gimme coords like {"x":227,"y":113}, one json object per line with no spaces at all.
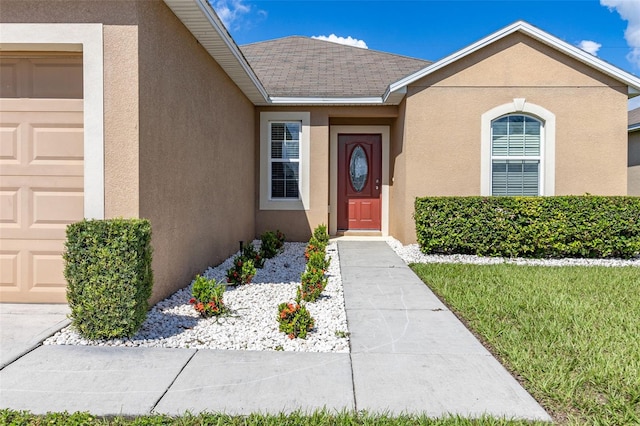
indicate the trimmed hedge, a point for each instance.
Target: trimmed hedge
{"x":108,"y":270}
{"x":561,"y":226}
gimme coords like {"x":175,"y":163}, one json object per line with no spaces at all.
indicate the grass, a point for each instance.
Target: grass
{"x":570,"y":334}
{"x":320,"y":418}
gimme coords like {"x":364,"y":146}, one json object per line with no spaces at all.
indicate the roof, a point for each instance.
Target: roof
{"x":632,"y":82}
{"x":320,"y":72}
{"x":203,"y":22}
{"x":302,"y":67}
{"x":634,"y":120}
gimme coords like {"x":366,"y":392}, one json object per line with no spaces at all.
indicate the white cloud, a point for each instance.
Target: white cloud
{"x":349,"y":41}
{"x":590,"y":46}
{"x":629,"y":10}
{"x":230,"y":11}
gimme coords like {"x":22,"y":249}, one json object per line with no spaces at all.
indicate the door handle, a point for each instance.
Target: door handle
{"x":377,"y":183}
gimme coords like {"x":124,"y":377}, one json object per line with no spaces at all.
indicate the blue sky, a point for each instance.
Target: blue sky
{"x":430,"y":29}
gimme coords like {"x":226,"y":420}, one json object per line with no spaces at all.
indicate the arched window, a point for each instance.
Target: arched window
{"x":516,"y":155}
{"x":518,"y":150}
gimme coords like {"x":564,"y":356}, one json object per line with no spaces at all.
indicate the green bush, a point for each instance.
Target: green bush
{"x":272,"y":243}
{"x":321,"y":235}
{"x":207,"y":297}
{"x":563,"y":226}
{"x":242,"y":271}
{"x":314,"y":246}
{"x":312,"y":284}
{"x":249,"y":252}
{"x":108,"y":270}
{"x":318,"y":260}
{"x":295,"y":320}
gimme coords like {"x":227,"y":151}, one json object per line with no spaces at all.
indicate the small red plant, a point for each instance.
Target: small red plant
{"x":295,"y":320}
{"x":242,"y":271}
{"x":207,"y":297}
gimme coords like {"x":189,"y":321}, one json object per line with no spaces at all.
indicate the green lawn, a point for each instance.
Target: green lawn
{"x":571,"y":334}
{"x":320,"y":418}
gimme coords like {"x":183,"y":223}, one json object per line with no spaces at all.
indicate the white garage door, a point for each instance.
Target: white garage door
{"x":41,"y":171}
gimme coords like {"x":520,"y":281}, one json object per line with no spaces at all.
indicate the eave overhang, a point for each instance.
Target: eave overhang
{"x":201,"y":20}
{"x":632,"y":82}
{"x":634,"y":127}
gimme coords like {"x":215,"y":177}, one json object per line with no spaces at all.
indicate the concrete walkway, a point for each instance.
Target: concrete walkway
{"x":409,"y":354}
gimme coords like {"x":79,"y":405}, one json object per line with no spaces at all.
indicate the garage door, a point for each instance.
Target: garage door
{"x":41,"y":171}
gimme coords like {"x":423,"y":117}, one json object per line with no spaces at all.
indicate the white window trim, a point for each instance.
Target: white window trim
{"x":547,"y":144}
{"x":85,"y":38}
{"x":265,"y":161}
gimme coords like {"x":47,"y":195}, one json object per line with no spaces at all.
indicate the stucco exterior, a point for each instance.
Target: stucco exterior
{"x":179,"y":136}
{"x":634,"y":164}
{"x":440,"y":153}
{"x":298,"y":224}
{"x":176,"y":143}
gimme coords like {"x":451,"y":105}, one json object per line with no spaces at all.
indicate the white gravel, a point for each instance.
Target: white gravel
{"x":174,"y":323}
{"x":411,"y":254}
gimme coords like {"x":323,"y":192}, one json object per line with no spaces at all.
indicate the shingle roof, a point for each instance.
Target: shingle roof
{"x":305,"y":67}
{"x":634,"y":118}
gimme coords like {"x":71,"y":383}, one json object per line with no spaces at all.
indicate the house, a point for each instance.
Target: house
{"x":633,"y":157}
{"x":150,"y":109}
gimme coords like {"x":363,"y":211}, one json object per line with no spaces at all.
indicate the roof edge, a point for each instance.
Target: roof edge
{"x":204,"y":8}
{"x":630,"y":80}
{"x":293,"y":100}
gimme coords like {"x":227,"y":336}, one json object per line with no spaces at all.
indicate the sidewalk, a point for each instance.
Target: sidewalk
{"x":409,"y":354}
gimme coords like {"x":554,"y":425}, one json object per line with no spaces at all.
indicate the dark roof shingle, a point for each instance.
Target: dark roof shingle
{"x":305,"y":67}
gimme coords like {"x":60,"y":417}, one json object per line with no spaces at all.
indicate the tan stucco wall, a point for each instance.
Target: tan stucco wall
{"x":120,"y":44}
{"x":443,"y":119}
{"x":196,"y":151}
{"x":178,"y":134}
{"x":397,"y":177}
{"x":633,"y":171}
{"x":298,"y":224}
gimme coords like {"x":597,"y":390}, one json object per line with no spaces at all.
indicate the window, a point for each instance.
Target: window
{"x":515,"y":155}
{"x":284,"y":160}
{"x":518,"y":150}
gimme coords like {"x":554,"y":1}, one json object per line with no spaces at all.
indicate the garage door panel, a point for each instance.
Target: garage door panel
{"x":56,"y":207}
{"x":9,"y":208}
{"x":9,"y":78}
{"x":52,"y":79}
{"x":40,"y":272}
{"x":62,"y":145}
{"x":47,"y":270}
{"x":40,"y":207}
{"x":9,"y":270}
{"x":41,"y":171}
{"x":9,"y":144}
{"x":42,"y":143}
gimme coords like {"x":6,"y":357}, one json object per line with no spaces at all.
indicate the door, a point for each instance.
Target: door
{"x":359,"y":181}
{"x":41,"y":172}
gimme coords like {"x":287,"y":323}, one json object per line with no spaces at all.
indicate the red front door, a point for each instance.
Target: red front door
{"x":359,"y":181}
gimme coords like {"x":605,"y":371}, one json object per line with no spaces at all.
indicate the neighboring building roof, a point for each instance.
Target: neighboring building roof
{"x":301,"y":67}
{"x":634,"y":120}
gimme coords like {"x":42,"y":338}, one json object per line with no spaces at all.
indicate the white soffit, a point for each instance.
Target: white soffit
{"x":630,"y":80}
{"x":206,"y":27}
